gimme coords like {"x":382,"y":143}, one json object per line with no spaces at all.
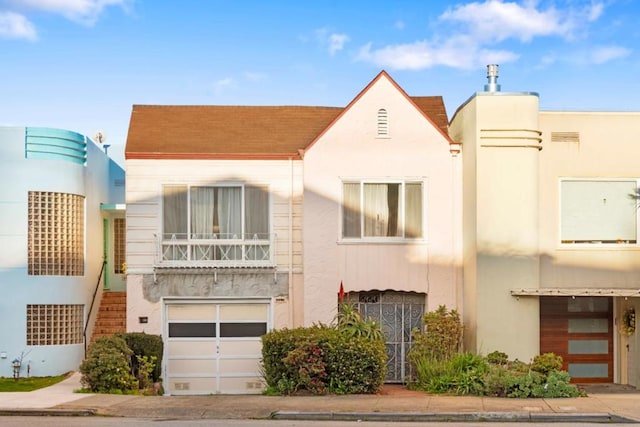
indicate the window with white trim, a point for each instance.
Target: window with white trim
{"x":55,"y":324}
{"x":598,"y":211}
{"x":216,"y":223}
{"x":382,"y":210}
{"x":56,"y":234}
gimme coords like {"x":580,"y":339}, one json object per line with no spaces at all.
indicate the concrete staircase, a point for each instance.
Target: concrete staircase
{"x":112,"y":315}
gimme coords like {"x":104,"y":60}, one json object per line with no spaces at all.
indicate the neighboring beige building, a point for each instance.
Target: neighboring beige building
{"x":551,"y":255}
{"x":244,"y":219}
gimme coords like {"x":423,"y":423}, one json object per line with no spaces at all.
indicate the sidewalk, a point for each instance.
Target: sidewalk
{"x":394,"y":403}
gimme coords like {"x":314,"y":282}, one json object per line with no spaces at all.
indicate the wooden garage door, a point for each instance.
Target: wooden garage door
{"x":214,"y":347}
{"x":580,"y":330}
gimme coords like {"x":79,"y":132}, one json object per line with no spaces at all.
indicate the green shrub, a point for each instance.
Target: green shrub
{"x":497,"y":358}
{"x":322,"y":359}
{"x":107,"y":367}
{"x":441,"y":338}
{"x":149,"y":348}
{"x":546,"y":363}
{"x":350,"y":321}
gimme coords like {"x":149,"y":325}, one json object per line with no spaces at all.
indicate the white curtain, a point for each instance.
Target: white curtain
{"x":202,"y":202}
{"x":351,"y":210}
{"x":174,"y":212}
{"x":229,"y":210}
{"x":376,"y":210}
{"x":256,"y":212}
{"x":413,"y":210}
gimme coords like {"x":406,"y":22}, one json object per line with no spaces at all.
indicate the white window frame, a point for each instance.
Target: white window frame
{"x":401,"y":213}
{"x":244,"y":242}
{"x":595,"y":243}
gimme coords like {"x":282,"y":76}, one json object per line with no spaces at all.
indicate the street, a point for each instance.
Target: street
{"x":18,"y":421}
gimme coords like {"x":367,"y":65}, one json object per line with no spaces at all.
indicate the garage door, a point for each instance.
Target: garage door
{"x":214,"y":347}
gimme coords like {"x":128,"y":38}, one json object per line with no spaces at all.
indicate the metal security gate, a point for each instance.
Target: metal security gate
{"x":214,"y":346}
{"x":398,"y":313}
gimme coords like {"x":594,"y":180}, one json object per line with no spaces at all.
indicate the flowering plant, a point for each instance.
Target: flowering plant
{"x":628,"y":326}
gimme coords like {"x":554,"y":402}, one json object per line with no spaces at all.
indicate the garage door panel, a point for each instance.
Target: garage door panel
{"x":191,"y":347}
{"x":240,"y":366}
{"x":242,"y":385}
{"x":240,"y":348}
{"x":191,"y":312}
{"x":244,"y":312}
{"x":191,"y":385}
{"x":192,"y":366}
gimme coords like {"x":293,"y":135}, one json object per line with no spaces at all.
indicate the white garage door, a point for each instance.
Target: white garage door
{"x":214,"y":347}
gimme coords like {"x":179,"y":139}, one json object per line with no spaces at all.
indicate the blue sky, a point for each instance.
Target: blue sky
{"x":82,"y":64}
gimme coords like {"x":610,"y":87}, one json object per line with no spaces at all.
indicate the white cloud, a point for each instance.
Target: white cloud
{"x":16,"y":26}
{"x":85,"y":12}
{"x":594,"y":11}
{"x":603,"y":54}
{"x":399,"y":25}
{"x":457,"y":52}
{"x":483,"y":32}
{"x":496,"y":20}
{"x":334,"y":41}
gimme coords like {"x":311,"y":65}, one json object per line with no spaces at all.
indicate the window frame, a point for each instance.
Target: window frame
{"x":242,"y":186}
{"x":586,"y":243}
{"x":402,"y":215}
{"x":218,"y":248}
{"x":56,"y":227}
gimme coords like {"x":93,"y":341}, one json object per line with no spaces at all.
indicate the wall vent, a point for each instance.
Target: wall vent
{"x":118,"y":182}
{"x":565,"y":137}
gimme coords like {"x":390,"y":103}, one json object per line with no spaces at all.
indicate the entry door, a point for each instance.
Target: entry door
{"x":580,"y":330}
{"x":214,"y":347}
{"x":398,"y":313}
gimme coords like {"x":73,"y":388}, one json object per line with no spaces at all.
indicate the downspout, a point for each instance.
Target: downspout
{"x":291,"y":304}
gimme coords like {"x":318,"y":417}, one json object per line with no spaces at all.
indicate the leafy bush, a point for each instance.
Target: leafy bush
{"x":546,"y":363}
{"x":350,"y":321}
{"x":497,"y":358}
{"x":441,"y":338}
{"x":147,"y":349}
{"x":322,"y":359}
{"x":107,"y":367}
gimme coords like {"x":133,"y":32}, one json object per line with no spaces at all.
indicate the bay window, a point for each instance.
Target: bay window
{"x":382,"y":210}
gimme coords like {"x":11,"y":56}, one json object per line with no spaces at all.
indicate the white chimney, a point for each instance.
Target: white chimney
{"x":492,"y":77}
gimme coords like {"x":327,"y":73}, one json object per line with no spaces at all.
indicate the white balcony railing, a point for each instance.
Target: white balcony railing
{"x":216,"y":250}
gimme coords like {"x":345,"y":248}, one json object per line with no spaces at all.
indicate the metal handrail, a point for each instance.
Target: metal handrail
{"x":93,"y":300}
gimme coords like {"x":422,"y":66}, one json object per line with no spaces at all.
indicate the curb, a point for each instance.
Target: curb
{"x":48,"y":412}
{"x":448,"y":417}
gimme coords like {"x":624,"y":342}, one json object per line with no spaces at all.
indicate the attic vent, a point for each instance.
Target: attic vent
{"x":383,"y":123}
{"x":565,"y":136}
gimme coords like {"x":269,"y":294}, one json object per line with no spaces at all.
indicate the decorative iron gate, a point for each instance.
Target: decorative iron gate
{"x":398,"y":313}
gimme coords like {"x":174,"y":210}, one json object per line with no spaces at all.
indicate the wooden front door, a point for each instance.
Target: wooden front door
{"x":580,"y":330}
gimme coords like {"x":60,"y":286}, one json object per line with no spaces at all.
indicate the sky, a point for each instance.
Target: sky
{"x":82,"y":64}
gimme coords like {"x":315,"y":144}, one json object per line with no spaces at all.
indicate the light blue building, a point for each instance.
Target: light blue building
{"x":61,"y":244}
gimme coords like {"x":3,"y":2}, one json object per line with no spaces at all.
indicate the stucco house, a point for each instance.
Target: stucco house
{"x":241,"y":219}
{"x":550,"y":224}
{"x":61,"y":242}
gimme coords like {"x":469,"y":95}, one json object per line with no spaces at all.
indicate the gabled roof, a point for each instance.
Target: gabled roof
{"x":240,"y":132}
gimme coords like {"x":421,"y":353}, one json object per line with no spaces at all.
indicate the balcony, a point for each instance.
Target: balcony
{"x":215,"y":250}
